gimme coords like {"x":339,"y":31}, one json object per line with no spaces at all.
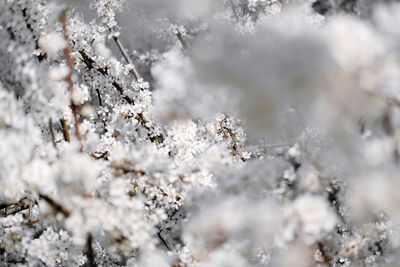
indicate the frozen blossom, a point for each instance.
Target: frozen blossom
{"x":80,"y":94}
{"x":316,"y":217}
{"x":52,"y":43}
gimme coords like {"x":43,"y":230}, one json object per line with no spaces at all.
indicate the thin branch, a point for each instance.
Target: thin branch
{"x":67,"y":53}
{"x":26,"y":16}
{"x":228,"y":133}
{"x":90,"y":64}
{"x":11,"y":209}
{"x":125,"y":170}
{"x":55,"y":205}
{"x":128,"y":60}
{"x":163,"y":240}
{"x":101,"y":105}
{"x":234,"y":10}
{"x":53,"y":137}
{"x":65,"y":130}
{"x":102,"y":155}
{"x":99,"y":97}
{"x":333,"y":191}
{"x":181,"y":39}
{"x":89,"y":251}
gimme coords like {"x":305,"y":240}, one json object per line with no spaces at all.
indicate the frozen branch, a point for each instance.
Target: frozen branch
{"x":69,"y":79}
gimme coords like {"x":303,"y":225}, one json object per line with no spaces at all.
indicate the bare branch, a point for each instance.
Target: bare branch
{"x":65,"y":130}
{"x":55,"y":205}
{"x":234,"y":11}
{"x":11,"y":209}
{"x":67,"y":53}
{"x":89,"y":251}
{"x":128,"y":60}
{"x":53,"y":138}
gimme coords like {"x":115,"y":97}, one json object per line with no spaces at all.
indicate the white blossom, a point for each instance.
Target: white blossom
{"x":52,"y":43}
{"x":316,"y":217}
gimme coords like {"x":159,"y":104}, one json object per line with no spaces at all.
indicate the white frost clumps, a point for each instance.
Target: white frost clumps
{"x":80,"y":94}
{"x":52,"y":248}
{"x":315,"y":215}
{"x":77,"y":173}
{"x":185,"y":142}
{"x":52,"y":43}
{"x":15,"y":159}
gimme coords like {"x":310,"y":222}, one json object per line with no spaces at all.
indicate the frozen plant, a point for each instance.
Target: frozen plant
{"x":199,"y":133}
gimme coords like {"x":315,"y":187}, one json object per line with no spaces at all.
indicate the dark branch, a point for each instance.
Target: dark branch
{"x":89,"y":251}
{"x":55,"y":205}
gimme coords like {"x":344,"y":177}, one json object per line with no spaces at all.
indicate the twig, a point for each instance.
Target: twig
{"x":90,"y":251}
{"x":11,"y":209}
{"x":55,"y":205}
{"x":181,"y":39}
{"x":128,"y":60}
{"x":67,"y":52}
{"x":26,"y":16}
{"x":101,"y":105}
{"x":99,"y":97}
{"x":53,"y":138}
{"x":102,"y":155}
{"x":326,"y":259}
{"x":126,"y":170}
{"x":90,"y":64}
{"x":229,"y":134}
{"x":163,"y":240}
{"x":333,"y":192}
{"x":234,"y":10}
{"x":65,"y":130}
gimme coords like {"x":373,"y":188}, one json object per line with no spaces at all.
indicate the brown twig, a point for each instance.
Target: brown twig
{"x":67,"y":53}
{"x":65,"y":130}
{"x":102,"y":155}
{"x":128,"y":60}
{"x":11,"y":209}
{"x":179,"y":35}
{"x":228,"y":133}
{"x":125,"y":169}
{"x":55,"y":205}
{"x":325,"y":258}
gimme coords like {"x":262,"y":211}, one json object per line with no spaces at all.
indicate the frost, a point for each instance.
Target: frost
{"x":80,"y":94}
{"x":199,"y":133}
{"x":315,"y":216}
{"x":52,"y":44}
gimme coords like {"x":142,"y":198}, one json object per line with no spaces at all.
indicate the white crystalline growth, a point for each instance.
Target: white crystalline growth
{"x":52,"y":43}
{"x":316,"y":217}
